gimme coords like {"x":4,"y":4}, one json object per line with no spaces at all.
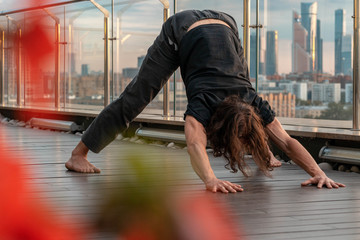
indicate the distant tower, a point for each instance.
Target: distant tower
{"x":73,"y":63}
{"x":340,"y":31}
{"x":319,"y":48}
{"x":346,"y":55}
{"x":140,"y":60}
{"x":309,"y":21}
{"x":262,"y":48}
{"x":271,"y":52}
{"x":300,"y":57}
{"x":253,"y":55}
{"x":84,"y":69}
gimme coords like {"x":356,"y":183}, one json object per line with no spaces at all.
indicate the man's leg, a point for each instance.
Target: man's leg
{"x":159,"y":63}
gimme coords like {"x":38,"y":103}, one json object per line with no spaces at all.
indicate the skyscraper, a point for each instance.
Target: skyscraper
{"x":346,"y":55}
{"x":262,"y":48}
{"x":140,"y":60}
{"x":300,"y":57}
{"x":271,"y":52}
{"x":309,"y":21}
{"x":84,"y":69}
{"x":262,"y":55}
{"x":252,"y":55}
{"x":319,"y":48}
{"x":340,"y":31}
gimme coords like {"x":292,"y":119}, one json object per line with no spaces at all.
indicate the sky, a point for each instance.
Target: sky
{"x":144,"y":18}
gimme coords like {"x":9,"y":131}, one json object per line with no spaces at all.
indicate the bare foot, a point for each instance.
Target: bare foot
{"x":79,"y":163}
{"x":274,"y":162}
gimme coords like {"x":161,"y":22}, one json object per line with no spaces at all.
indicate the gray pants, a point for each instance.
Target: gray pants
{"x":160,"y":62}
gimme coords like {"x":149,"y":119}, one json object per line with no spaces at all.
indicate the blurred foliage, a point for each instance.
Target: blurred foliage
{"x":337,"y":111}
{"x":139,"y":208}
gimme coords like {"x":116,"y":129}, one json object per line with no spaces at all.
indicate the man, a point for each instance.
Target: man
{"x":206,"y":46}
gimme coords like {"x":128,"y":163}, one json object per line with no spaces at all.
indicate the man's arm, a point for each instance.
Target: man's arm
{"x":299,"y":155}
{"x":196,"y":147}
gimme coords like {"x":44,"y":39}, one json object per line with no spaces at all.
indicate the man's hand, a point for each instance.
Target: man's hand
{"x":322,"y":180}
{"x":217,"y":185}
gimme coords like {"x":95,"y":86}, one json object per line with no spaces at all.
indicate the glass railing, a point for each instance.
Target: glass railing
{"x":302,"y":64}
{"x":306,"y":58}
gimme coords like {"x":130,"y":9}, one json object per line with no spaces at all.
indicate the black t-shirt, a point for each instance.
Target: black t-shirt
{"x":213,"y":67}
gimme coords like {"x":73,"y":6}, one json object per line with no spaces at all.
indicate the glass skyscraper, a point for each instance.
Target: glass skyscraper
{"x":300,"y":57}
{"x":340,"y":31}
{"x":319,"y":48}
{"x":271,"y":52}
{"x":309,"y":21}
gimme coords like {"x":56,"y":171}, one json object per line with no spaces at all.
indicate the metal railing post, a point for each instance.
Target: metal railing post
{"x":18,"y":72}
{"x":257,"y":45}
{"x":57,"y":57}
{"x":356,"y":66}
{"x":246,"y":31}
{"x":2,"y":66}
{"x":57,"y":65}
{"x":106,"y":52}
{"x":166,"y":88}
{"x":175,"y":11}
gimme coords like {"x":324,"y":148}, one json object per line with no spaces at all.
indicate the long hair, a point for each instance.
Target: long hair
{"x":235,"y":129}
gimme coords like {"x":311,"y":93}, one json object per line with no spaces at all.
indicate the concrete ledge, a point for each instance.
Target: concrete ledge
{"x":299,"y":127}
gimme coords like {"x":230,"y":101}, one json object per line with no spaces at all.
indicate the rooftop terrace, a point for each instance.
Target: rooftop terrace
{"x":269,"y":208}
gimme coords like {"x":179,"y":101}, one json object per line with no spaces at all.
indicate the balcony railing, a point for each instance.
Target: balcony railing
{"x":99,"y":46}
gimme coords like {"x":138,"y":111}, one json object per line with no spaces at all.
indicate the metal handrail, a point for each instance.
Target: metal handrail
{"x":2,"y":66}
{"x":40,"y":7}
{"x":257,"y":46}
{"x":356,"y":67}
{"x":246,"y":31}
{"x":166,"y":88}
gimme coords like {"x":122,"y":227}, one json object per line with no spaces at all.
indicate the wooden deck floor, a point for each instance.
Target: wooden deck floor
{"x":269,"y":208}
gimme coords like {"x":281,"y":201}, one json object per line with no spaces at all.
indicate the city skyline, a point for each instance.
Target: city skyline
{"x":137,"y":45}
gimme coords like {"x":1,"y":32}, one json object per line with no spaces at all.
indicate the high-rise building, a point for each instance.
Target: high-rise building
{"x":283,"y":104}
{"x":300,"y":91}
{"x":300,"y":57}
{"x":319,"y":48}
{"x":140,"y":61}
{"x":252,"y":55}
{"x":309,"y":22}
{"x":84,"y":69}
{"x":348,"y":93}
{"x":73,"y":63}
{"x":262,"y":56}
{"x":262,"y":43}
{"x":340,"y":31}
{"x":271,"y":52}
{"x":346,"y":55}
{"x":326,"y":92}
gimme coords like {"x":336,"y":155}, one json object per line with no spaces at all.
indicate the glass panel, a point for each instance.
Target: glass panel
{"x":11,"y":67}
{"x":29,"y":59}
{"x":83,"y":57}
{"x":136,"y":25}
{"x":310,"y":72}
{"x":305,"y":64}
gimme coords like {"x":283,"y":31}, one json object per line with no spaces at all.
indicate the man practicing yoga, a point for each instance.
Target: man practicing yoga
{"x":222,"y":107}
